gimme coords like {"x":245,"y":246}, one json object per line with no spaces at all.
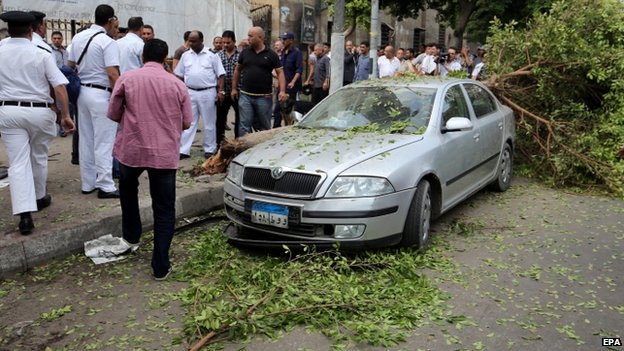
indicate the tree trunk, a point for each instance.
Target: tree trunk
{"x":228,"y":149}
{"x":466,"y":8}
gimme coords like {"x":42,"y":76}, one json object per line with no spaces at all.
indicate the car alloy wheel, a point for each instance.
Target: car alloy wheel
{"x":418,"y":221}
{"x":503,"y":180}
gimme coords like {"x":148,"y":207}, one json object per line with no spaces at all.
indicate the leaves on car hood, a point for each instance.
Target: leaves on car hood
{"x":322,"y":149}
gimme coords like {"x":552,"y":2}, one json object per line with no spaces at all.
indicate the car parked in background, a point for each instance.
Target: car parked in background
{"x":371,"y":165}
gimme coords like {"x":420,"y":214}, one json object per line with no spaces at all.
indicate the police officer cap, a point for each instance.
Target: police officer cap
{"x":38,"y":15}
{"x":17,"y":18}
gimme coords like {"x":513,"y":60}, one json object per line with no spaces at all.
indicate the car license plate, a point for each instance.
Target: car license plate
{"x":269,"y":214}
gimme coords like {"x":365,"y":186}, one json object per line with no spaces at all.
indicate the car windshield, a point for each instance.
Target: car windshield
{"x":391,"y":109}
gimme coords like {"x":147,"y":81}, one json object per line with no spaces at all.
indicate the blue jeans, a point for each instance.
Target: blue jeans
{"x":255,"y":111}
{"x":162,"y":190}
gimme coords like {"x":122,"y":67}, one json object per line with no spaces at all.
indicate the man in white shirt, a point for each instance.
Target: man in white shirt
{"x":98,"y":71}
{"x":429,"y":65}
{"x":203,"y":73}
{"x":388,"y":64}
{"x":39,"y":31}
{"x":453,"y":63}
{"x":27,"y":122}
{"x":131,"y":46}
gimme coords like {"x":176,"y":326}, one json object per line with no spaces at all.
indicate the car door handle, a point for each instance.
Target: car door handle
{"x":476,"y":137}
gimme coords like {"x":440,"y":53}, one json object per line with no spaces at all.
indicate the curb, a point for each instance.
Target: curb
{"x":204,"y":196}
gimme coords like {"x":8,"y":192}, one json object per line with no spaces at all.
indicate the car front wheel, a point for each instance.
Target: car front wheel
{"x":503,"y":179}
{"x":418,"y":222}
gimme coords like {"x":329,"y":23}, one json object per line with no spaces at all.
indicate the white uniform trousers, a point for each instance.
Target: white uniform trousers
{"x":203,"y":103}
{"x":26,"y":133}
{"x":97,"y":137}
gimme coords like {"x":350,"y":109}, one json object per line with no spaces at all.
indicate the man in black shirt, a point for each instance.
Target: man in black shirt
{"x":255,"y":65}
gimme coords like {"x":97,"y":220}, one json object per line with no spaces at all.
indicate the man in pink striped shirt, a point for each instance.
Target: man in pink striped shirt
{"x":152,"y":108}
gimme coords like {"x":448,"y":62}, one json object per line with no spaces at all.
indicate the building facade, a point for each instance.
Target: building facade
{"x":311,"y":23}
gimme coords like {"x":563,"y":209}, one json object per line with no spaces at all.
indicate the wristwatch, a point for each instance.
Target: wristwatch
{"x":222,"y":92}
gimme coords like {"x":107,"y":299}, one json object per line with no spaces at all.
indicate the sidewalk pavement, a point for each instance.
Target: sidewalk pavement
{"x":74,"y":218}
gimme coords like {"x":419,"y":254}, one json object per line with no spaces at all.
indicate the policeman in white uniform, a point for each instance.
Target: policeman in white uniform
{"x":204,"y":75}
{"x":27,"y":122}
{"x":98,"y":72}
{"x":39,"y":31}
{"x":131,"y":46}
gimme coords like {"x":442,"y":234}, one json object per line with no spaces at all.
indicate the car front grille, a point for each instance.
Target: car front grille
{"x":295,"y":227}
{"x":291,"y":183}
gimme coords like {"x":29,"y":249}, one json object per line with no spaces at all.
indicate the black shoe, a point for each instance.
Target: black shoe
{"x":108,"y":195}
{"x":44,"y":202}
{"x":74,"y":161}
{"x":183,"y":156}
{"x":88,"y":192}
{"x":165,"y":276}
{"x":26,"y":224}
{"x":208,"y":155}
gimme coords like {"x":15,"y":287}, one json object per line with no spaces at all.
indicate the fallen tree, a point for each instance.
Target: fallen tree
{"x":563,"y":76}
{"x":229,"y":148}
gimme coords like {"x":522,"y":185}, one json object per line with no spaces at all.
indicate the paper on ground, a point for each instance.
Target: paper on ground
{"x":107,"y":248}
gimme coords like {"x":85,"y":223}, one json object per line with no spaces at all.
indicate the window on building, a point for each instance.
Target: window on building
{"x":419,"y":39}
{"x":442,"y":37}
{"x":387,"y":33}
{"x":330,"y":28}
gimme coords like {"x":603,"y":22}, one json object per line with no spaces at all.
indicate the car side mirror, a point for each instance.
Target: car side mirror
{"x":457,"y":124}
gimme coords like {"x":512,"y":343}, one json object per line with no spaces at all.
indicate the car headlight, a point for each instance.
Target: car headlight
{"x":359,"y":187}
{"x":235,"y":173}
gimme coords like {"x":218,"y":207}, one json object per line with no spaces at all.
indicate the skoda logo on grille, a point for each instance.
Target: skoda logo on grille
{"x":277,"y":172}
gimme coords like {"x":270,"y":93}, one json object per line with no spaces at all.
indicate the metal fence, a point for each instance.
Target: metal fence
{"x":68,"y":28}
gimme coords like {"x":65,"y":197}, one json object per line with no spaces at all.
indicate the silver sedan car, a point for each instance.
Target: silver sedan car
{"x":371,"y":166}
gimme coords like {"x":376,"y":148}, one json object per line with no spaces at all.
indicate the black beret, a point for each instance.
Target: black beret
{"x":17,"y":18}
{"x":38,"y":15}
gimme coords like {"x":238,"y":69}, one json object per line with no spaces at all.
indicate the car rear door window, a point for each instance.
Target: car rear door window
{"x":482,"y":101}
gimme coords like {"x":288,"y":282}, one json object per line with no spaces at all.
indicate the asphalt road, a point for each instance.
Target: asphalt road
{"x":534,"y":269}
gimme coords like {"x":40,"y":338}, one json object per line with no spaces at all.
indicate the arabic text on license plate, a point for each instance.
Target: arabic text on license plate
{"x":269,"y":214}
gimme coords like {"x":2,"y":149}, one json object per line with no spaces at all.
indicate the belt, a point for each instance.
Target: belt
{"x":200,"y":89}
{"x":25,"y":104}
{"x":255,"y":94}
{"x":101,"y":87}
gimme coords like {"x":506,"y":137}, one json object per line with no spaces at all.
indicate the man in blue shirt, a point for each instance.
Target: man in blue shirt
{"x":292,"y":62}
{"x":364,"y":64}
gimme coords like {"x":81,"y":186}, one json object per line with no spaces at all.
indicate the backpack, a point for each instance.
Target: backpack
{"x":73,"y":88}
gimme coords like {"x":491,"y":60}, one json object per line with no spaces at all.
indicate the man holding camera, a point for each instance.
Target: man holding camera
{"x":451,"y":62}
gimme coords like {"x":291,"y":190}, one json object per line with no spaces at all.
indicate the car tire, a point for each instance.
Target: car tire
{"x":504,"y":171}
{"x":416,"y":231}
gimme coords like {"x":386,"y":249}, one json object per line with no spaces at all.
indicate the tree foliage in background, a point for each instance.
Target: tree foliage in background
{"x":563,"y":74}
{"x":473,"y":16}
{"x":505,"y":10}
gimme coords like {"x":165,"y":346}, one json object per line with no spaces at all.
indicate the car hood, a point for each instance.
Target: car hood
{"x":322,"y":150}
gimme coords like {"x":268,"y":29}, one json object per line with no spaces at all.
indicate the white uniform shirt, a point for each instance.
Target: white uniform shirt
{"x":387,"y":68}
{"x":130,"y":52}
{"x":200,"y":70}
{"x":38,"y":41}
{"x":102,"y":52}
{"x":27,"y":72}
{"x":3,"y":41}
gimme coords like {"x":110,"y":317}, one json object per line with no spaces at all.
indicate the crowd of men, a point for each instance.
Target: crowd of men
{"x":136,"y":113}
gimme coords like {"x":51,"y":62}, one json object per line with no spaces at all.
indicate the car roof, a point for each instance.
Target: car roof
{"x":434,"y":82}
